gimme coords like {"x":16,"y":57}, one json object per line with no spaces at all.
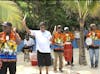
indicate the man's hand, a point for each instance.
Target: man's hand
{"x":26,"y":46}
{"x":24,"y":23}
{"x":94,"y":45}
{"x":14,"y":29}
{"x":54,"y":29}
{"x":60,"y":44}
{"x":0,"y":64}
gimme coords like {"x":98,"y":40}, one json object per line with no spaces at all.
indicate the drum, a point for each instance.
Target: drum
{"x":96,"y":42}
{"x":89,"y":41}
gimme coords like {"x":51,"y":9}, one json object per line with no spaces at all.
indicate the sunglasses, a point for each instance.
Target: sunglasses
{"x":58,"y":27}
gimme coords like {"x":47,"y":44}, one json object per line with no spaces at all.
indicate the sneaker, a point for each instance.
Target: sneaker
{"x":92,"y":66}
{"x":40,"y":73}
{"x":72,"y":64}
{"x":55,"y":70}
{"x":66,"y":64}
{"x":60,"y":70}
{"x":47,"y":73}
{"x":96,"y":66}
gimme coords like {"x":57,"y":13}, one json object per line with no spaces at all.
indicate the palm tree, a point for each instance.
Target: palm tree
{"x":83,"y":8}
{"x":9,"y":11}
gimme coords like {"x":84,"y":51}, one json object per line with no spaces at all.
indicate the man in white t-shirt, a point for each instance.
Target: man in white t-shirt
{"x":28,"y":46}
{"x":28,"y":42}
{"x":77,"y":37}
{"x":43,"y":38}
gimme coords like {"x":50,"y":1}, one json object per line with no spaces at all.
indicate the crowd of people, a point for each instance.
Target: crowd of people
{"x":60,"y":41}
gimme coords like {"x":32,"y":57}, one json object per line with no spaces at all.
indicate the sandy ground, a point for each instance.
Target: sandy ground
{"x":26,"y":68}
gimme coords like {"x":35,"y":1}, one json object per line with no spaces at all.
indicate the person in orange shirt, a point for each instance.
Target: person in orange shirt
{"x":58,"y":39}
{"x":68,"y":48}
{"x":94,"y":35}
{"x":9,"y":40}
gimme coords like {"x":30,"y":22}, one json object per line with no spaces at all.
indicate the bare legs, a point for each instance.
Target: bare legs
{"x":46,"y":69}
{"x":40,"y":70}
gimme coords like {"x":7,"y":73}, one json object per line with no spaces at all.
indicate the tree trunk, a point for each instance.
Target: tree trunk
{"x":82,"y":58}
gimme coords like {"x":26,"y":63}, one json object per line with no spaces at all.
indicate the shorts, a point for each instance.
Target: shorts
{"x":44,"y":59}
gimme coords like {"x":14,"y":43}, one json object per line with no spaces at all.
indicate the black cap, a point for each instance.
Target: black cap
{"x":7,"y":24}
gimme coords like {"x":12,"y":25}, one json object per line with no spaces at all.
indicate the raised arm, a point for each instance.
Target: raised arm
{"x":17,"y":36}
{"x":55,"y":28}
{"x":26,"y":28}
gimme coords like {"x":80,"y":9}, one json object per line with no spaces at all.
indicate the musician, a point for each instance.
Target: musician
{"x":68,"y":48}
{"x":9,"y":39}
{"x":94,"y":34}
{"x":58,"y":39}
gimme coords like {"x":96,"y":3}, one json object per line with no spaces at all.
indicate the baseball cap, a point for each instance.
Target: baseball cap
{"x":66,"y":28}
{"x":6,"y":24}
{"x":91,"y":25}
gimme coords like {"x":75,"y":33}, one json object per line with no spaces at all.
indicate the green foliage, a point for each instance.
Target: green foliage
{"x":50,"y":11}
{"x":9,"y":11}
{"x":53,"y":12}
{"x":83,"y":7}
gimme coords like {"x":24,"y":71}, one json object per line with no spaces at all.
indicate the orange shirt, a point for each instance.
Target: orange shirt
{"x":3,"y":37}
{"x":69,"y":36}
{"x":58,"y":38}
{"x":94,"y":34}
{"x":3,"y":40}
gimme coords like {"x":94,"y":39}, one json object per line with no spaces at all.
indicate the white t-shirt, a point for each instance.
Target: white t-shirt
{"x":77,"y":34}
{"x":30,"y":42}
{"x":42,"y":40}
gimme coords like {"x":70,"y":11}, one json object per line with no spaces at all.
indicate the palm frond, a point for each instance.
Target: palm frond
{"x":84,"y":7}
{"x":9,"y":11}
{"x":94,"y":8}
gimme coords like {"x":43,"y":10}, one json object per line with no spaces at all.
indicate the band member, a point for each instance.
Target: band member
{"x":94,"y":35}
{"x":68,"y":48}
{"x":9,"y":40}
{"x":58,"y":40}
